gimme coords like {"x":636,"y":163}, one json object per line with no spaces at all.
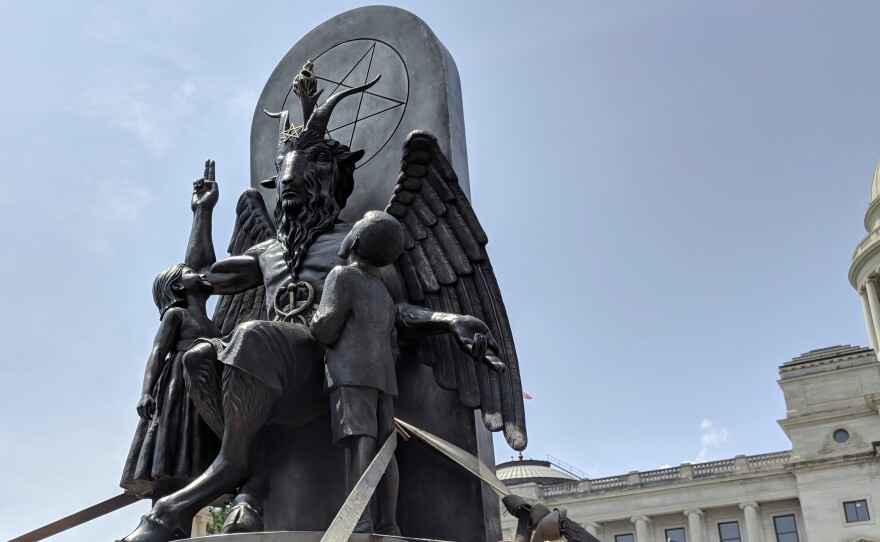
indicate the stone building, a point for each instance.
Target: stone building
{"x":826,"y":488}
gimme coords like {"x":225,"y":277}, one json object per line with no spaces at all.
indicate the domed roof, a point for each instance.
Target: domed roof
{"x":522,"y":471}
{"x":875,"y":186}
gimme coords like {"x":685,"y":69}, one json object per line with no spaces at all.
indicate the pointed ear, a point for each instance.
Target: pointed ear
{"x":351,"y":157}
{"x":269,"y":183}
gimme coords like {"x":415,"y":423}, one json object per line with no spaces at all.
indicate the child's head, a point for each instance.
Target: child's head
{"x":167,"y":291}
{"x":377,"y":238}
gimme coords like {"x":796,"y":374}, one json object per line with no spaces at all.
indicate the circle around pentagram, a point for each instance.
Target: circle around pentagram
{"x":367,"y":120}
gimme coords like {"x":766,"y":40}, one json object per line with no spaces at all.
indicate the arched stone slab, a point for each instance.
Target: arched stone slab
{"x":419,"y":90}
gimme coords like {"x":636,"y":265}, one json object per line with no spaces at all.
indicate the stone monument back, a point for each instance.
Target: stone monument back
{"x":419,"y":89}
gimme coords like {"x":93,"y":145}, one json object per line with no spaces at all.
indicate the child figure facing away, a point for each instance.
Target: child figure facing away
{"x":172,"y":444}
{"x":355,"y":320}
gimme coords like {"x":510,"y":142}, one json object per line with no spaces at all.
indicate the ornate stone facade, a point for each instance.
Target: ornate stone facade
{"x":832,"y":397}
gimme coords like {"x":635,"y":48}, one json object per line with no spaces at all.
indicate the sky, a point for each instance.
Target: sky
{"x":672,"y":193}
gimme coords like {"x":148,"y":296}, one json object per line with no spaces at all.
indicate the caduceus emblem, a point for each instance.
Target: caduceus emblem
{"x":286,"y":296}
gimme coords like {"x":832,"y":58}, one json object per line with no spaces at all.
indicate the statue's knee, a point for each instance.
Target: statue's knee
{"x":198,"y":356}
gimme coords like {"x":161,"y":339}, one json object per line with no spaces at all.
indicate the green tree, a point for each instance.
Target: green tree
{"x":218,"y":516}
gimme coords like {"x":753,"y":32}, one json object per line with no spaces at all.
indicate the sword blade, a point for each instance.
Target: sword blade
{"x":73,"y":520}
{"x":463,"y":458}
{"x":353,"y":507}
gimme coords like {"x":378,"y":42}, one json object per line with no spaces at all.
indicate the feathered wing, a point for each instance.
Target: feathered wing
{"x":445,"y":268}
{"x":252,"y":226}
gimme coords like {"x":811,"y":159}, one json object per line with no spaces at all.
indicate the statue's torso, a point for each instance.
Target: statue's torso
{"x":322,"y":256}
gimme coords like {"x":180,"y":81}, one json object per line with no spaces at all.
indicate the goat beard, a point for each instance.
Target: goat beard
{"x":301,"y":219}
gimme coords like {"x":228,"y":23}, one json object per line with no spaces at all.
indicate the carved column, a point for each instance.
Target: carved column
{"x":754,"y":533}
{"x":642,"y":534}
{"x":873,"y":304}
{"x":200,"y":523}
{"x":869,"y":320}
{"x":695,"y":525}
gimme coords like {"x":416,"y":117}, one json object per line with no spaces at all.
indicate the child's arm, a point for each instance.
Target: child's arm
{"x":169,"y":329}
{"x":329,"y":319}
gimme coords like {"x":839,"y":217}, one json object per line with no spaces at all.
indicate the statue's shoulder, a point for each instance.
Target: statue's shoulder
{"x":336,"y":234}
{"x":341,"y":229}
{"x":265,"y":246}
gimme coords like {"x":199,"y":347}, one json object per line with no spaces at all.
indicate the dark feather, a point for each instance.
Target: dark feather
{"x":432,"y":200}
{"x":442,"y":269}
{"x":472,"y":249}
{"x":465,"y":375}
{"x":451,"y":247}
{"x":511,"y":386}
{"x":415,"y":170}
{"x":416,"y":228}
{"x":396,"y":209}
{"x":410,"y":278}
{"x":439,"y":185}
{"x":416,"y":157}
{"x":426,"y":215}
{"x":405,"y":197}
{"x":487,"y":380}
{"x":423,"y":268}
{"x":408,"y":241}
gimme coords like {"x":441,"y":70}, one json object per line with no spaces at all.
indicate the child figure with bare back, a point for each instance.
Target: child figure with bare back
{"x":172,"y":444}
{"x":355,"y":320}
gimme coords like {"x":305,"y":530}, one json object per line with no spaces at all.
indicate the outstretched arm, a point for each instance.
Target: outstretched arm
{"x":235,"y":274}
{"x":471,"y":334}
{"x":200,"y":248}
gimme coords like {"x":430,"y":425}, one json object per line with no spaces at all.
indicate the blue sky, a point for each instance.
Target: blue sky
{"x":672,"y":195}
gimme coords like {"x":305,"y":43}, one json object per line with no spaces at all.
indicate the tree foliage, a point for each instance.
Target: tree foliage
{"x":218,"y":515}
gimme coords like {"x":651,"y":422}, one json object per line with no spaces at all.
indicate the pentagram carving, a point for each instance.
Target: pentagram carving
{"x":369,"y":121}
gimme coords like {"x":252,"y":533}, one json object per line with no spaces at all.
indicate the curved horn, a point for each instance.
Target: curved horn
{"x":283,"y":125}
{"x":318,"y":121}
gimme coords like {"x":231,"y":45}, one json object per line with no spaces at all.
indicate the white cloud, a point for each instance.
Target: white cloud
{"x":121,"y":200}
{"x":243,"y":103}
{"x":151,"y":114}
{"x":711,"y":440}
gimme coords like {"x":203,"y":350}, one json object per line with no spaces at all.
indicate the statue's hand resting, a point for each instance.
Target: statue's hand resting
{"x":475,"y":338}
{"x":205,"y":192}
{"x":146,"y":406}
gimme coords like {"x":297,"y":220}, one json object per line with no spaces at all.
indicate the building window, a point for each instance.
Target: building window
{"x":729,"y":532}
{"x":856,"y":511}
{"x":786,"y":529}
{"x":624,"y":538}
{"x":675,"y":535}
{"x":841,"y":436}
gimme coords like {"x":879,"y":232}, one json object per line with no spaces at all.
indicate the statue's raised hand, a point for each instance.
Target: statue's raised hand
{"x":205,"y":192}
{"x":475,"y":338}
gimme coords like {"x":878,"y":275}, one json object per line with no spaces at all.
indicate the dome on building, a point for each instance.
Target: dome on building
{"x":875,"y":186}
{"x":522,"y":471}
